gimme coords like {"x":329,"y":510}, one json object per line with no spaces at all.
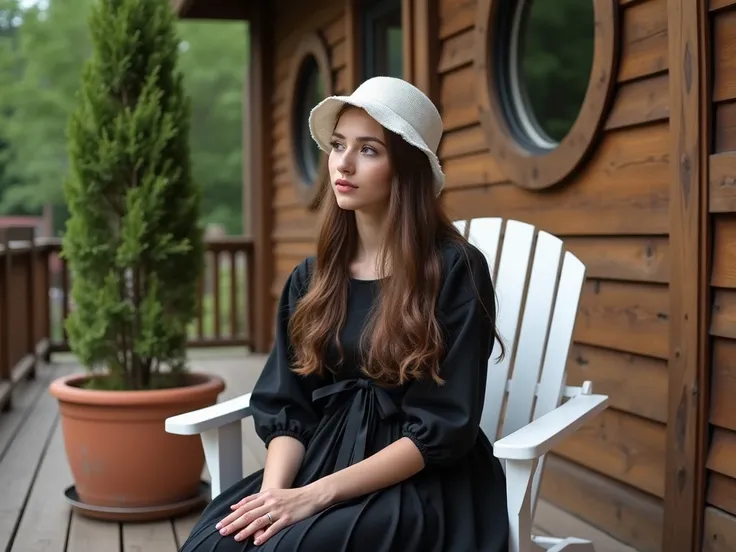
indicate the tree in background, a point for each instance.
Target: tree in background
{"x":133,"y":240}
{"x":39,"y":77}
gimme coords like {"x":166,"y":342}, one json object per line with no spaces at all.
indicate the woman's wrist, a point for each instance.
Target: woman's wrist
{"x":322,"y":492}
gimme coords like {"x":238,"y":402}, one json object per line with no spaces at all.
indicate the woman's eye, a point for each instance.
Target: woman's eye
{"x":335,"y":145}
{"x":369,"y":150}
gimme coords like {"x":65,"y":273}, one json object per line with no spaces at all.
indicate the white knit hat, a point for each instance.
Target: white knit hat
{"x":396,"y":105}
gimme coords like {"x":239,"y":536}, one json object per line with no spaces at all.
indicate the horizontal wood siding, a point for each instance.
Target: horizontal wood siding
{"x":294,"y":226}
{"x":614,"y":214}
{"x":720,"y":513}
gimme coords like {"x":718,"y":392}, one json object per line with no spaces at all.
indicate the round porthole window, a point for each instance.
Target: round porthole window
{"x":311,"y":82}
{"x":547,"y":69}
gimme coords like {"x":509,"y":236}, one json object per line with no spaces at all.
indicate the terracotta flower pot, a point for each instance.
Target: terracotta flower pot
{"x":119,"y":452}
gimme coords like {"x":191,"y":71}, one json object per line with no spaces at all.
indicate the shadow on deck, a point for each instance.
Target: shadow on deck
{"x":35,"y":516}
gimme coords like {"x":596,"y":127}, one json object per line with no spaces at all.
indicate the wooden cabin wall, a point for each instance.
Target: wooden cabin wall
{"x":614,"y":215}
{"x":294,"y":225}
{"x":720,"y":511}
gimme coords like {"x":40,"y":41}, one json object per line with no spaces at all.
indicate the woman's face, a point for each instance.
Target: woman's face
{"x":359,"y":164}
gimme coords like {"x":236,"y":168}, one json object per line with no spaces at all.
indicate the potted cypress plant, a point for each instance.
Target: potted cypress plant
{"x":134,"y":246}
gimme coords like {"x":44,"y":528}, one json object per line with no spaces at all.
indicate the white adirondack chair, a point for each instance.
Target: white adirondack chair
{"x":538,"y":287}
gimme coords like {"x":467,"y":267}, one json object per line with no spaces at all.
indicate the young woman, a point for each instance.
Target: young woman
{"x":371,"y":398}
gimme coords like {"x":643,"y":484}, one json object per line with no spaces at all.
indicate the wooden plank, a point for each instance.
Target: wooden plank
{"x":18,"y":466}
{"x":46,"y":515}
{"x":456,"y":16}
{"x":260,"y":138}
{"x":723,"y":385}
{"x":724,"y":56}
{"x":471,"y":170}
{"x":352,"y":41}
{"x":641,"y":101}
{"x":715,"y":5}
{"x":722,"y":492}
{"x":627,"y":448}
{"x":334,"y":32}
{"x":296,"y":251}
{"x":149,"y":537}
{"x":425,"y":48}
{"x":628,"y":515}
{"x":338,"y":56}
{"x":723,"y":317}
{"x":25,"y":396}
{"x":722,"y":182}
{"x":724,"y":252}
{"x":465,"y":141}
{"x":719,"y":530}
{"x":725,"y":127}
{"x":556,"y":522}
{"x":644,"y":49}
{"x":612,"y":373}
{"x":689,"y":290}
{"x":91,"y":535}
{"x":457,"y":51}
{"x":407,"y":38}
{"x":722,"y":452}
{"x":627,"y":317}
{"x":640,"y":259}
{"x":458,"y":101}
{"x":624,"y":189}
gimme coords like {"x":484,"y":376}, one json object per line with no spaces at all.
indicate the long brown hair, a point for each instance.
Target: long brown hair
{"x":403,"y":347}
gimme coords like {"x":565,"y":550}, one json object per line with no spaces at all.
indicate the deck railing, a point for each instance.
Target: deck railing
{"x":35,"y":300}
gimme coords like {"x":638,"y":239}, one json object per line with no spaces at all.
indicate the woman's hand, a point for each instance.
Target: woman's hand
{"x":286,"y":506}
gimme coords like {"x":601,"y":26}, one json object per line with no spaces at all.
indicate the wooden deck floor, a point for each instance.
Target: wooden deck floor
{"x":35,"y":517}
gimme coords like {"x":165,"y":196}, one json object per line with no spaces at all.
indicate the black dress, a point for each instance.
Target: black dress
{"x":457,"y":503}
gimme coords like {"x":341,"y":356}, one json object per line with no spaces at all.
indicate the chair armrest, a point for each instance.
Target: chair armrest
{"x":541,"y":435}
{"x":211,"y":417}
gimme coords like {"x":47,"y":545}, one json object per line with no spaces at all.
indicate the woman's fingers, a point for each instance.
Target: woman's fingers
{"x":261,"y":522}
{"x":271,"y":530}
{"x":244,"y":501}
{"x":237,"y":514}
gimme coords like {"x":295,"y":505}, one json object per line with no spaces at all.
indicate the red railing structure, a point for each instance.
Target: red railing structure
{"x":34,"y":301}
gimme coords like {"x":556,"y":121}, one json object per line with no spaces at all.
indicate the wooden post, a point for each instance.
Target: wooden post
{"x":259,"y":117}
{"x":426,"y":53}
{"x":689,"y":364}
{"x":353,"y":37}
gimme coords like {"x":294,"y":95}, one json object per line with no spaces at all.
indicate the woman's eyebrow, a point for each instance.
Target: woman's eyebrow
{"x":360,"y":138}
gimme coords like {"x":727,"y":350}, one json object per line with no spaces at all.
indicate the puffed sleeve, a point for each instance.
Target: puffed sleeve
{"x":443,"y":420}
{"x":281,"y":402}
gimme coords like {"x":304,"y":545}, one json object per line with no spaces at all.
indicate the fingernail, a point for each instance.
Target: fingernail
{"x":223,"y":531}
{"x":238,"y":537}
{"x":257,"y":541}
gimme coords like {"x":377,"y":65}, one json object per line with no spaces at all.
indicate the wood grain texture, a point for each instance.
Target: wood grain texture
{"x":259,"y":138}
{"x":689,"y":290}
{"x":719,"y":531}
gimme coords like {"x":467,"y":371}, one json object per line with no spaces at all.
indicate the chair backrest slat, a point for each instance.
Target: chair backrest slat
{"x":538,"y":286}
{"x":510,"y":279}
{"x":527,"y":363}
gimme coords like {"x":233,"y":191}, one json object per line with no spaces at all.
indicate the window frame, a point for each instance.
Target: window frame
{"x":527,"y":166}
{"x":311,"y":45}
{"x":368,"y":15}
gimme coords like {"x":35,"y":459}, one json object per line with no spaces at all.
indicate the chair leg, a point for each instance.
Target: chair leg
{"x":518,"y":500}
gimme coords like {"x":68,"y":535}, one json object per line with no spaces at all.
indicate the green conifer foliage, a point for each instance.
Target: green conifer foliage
{"x":133,"y":241}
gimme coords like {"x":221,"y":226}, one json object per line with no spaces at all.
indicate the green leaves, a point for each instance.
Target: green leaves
{"x":133,"y":240}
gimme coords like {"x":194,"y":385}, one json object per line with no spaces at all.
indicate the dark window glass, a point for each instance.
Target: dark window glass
{"x":310,"y":91}
{"x":383,"y":39}
{"x":550,"y":57}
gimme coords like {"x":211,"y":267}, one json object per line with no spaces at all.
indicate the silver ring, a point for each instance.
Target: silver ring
{"x":270,"y":519}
